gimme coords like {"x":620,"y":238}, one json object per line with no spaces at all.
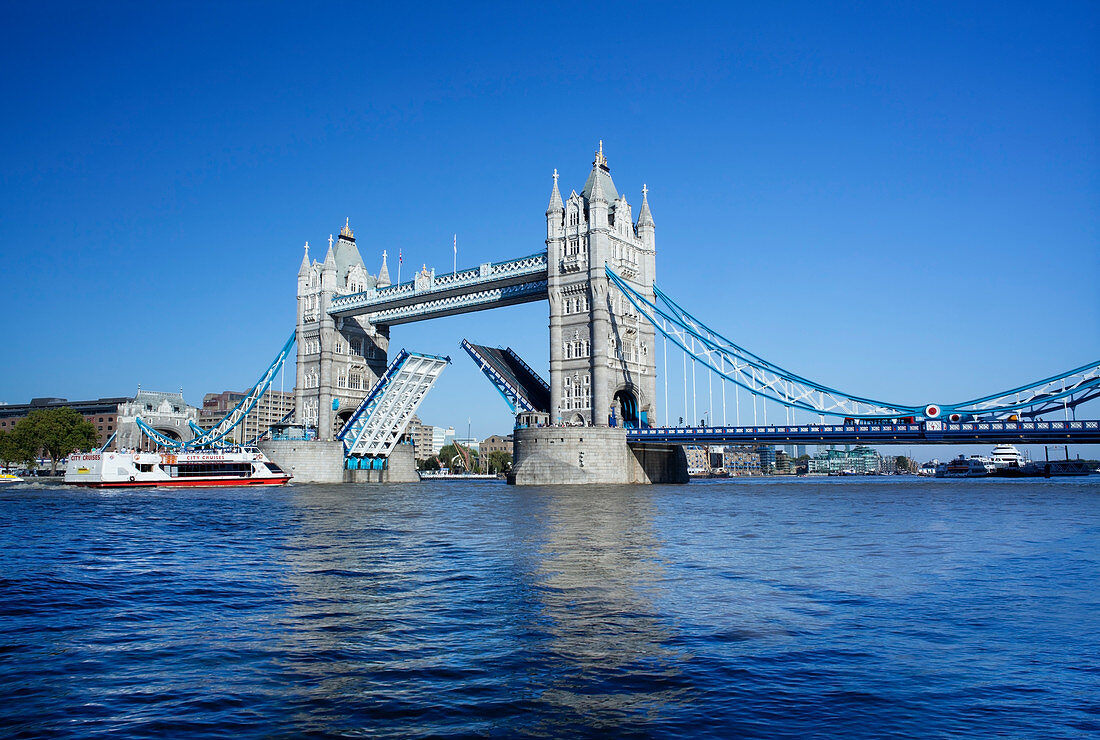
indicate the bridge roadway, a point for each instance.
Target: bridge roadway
{"x":928,"y":432}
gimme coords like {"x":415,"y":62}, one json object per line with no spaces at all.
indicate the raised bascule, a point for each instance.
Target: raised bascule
{"x":596,"y":419}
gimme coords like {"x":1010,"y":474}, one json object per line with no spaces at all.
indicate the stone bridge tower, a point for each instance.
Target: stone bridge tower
{"x":338,"y":359}
{"x":602,"y":353}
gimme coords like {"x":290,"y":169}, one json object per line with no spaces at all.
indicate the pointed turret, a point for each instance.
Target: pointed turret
{"x":555,"y":197}
{"x":645,"y":218}
{"x":645,"y":222}
{"x":601,"y":174}
{"x":304,"y":269}
{"x":383,"y":274}
{"x":346,"y":253}
{"x":597,"y":194}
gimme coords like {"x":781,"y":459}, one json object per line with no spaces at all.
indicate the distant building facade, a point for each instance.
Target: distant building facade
{"x":421,"y":436}
{"x":698,"y":459}
{"x":102,"y":413}
{"x":741,"y":461}
{"x":272,"y":407}
{"x":168,"y":413}
{"x":496,"y":443}
{"x":859,"y":460}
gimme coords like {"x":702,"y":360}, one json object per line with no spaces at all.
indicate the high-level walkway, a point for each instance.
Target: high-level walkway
{"x":431,"y":296}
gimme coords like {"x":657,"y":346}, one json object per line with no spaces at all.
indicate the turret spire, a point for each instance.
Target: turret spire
{"x":330,"y":261}
{"x":384,"y":273}
{"x":555,"y":197}
{"x":304,"y":269}
{"x":645,"y":218}
{"x":597,"y":193}
{"x":601,"y":160}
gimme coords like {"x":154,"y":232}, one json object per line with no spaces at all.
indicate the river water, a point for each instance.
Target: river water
{"x":764,"y":608}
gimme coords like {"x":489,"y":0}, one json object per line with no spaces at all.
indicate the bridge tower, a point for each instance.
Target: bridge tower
{"x":338,"y":359}
{"x":602,"y":358}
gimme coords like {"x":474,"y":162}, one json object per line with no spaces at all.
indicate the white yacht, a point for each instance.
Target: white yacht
{"x":1007,"y":457}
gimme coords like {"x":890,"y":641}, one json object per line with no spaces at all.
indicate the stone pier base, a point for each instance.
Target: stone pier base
{"x":585,"y":455}
{"x":323,"y":462}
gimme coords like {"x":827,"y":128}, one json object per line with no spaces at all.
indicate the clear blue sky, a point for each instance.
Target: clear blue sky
{"x":898,"y":200}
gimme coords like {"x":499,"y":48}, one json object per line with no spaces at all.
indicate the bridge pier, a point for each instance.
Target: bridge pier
{"x":591,"y":455}
{"x":314,"y":461}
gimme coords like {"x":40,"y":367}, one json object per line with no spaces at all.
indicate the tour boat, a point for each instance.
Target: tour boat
{"x":229,"y":466}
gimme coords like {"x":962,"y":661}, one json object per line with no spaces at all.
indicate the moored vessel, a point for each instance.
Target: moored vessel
{"x":229,"y":466}
{"x":974,"y":466}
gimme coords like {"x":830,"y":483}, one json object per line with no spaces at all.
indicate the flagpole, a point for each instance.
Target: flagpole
{"x":454,"y":271}
{"x":399,"y":261}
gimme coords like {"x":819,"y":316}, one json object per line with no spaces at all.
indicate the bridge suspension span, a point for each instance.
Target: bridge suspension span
{"x":769,"y":381}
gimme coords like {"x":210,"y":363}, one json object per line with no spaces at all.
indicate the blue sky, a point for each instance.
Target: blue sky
{"x":900,"y":200}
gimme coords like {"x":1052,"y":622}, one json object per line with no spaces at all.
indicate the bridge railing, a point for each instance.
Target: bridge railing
{"x":490,"y":272}
{"x":1073,"y":431}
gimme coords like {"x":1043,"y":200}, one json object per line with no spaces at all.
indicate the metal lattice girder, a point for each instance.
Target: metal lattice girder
{"x":378,"y":423}
{"x":156,"y":436}
{"x":765,"y":379}
{"x":519,"y":385}
{"x":429,"y":295}
{"x":1056,"y":393}
{"x":474,"y":300}
{"x":218,"y":432}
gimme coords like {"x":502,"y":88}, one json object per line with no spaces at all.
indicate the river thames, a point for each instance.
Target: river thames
{"x":748,"y":608}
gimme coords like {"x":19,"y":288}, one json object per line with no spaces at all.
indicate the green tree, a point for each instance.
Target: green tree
{"x":23,"y":446}
{"x":903,"y":463}
{"x":499,"y":462}
{"x":57,"y":432}
{"x":9,"y":450}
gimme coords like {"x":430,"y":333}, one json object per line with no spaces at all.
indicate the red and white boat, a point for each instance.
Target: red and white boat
{"x":229,"y":466}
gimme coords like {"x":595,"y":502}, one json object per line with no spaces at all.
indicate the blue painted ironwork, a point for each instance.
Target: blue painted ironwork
{"x":520,"y":386}
{"x":768,"y":380}
{"x":109,"y":441}
{"x":153,"y":434}
{"x":926,"y":432}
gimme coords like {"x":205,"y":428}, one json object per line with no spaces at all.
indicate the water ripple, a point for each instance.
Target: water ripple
{"x":763,"y":608}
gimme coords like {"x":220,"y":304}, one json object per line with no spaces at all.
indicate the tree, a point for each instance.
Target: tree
{"x":22,"y":445}
{"x":9,"y":450}
{"x":903,"y":463}
{"x":57,"y":432}
{"x":499,"y":462}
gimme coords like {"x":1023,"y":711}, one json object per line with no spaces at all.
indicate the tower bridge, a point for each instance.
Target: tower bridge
{"x":596,"y":419}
